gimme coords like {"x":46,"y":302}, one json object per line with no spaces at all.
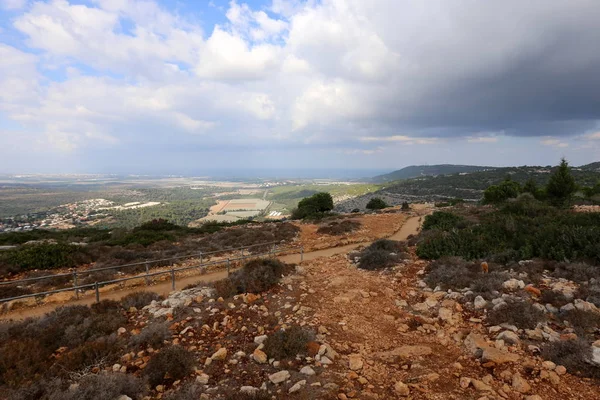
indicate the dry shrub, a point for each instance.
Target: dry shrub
{"x":22,"y":361}
{"x":337,"y":228}
{"x":575,"y":355}
{"x":522,"y":314}
{"x":106,"y":306}
{"x":189,"y":391}
{"x":382,"y":254}
{"x":557,"y":299}
{"x":258,"y":395}
{"x":173,"y":360}
{"x":582,"y":321}
{"x":85,"y":357}
{"x":256,"y":276}
{"x":105,"y":387}
{"x":152,"y":335}
{"x":288,"y":343}
{"x":139,"y":299}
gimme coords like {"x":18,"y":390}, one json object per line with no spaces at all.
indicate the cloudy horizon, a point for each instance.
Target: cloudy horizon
{"x":142,"y":86}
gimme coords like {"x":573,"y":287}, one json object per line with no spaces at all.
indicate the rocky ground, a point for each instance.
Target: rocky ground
{"x":380,"y":335}
{"x":377,"y":335}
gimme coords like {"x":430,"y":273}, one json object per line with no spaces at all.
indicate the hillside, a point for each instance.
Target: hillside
{"x":467,"y":186}
{"x":415,"y":171}
{"x":595,"y":166}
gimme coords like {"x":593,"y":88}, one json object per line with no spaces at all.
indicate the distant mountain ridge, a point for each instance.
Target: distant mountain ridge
{"x":415,"y":171}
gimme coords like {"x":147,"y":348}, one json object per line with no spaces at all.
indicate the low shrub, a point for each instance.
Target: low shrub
{"x":139,"y":299}
{"x":376,"y":204}
{"x":173,"y":360}
{"x":256,"y":276}
{"x":258,"y":395}
{"x":451,"y":273}
{"x":444,"y":221}
{"x":574,"y":355}
{"x":83,"y":358}
{"x":522,"y":314}
{"x":189,"y":391}
{"x":105,"y":387}
{"x":557,"y":299}
{"x":382,"y":254}
{"x":46,"y":256}
{"x":582,"y":321}
{"x":288,"y":343}
{"x":152,"y":335}
{"x":106,"y":306}
{"x":337,"y":228}
{"x":22,"y":361}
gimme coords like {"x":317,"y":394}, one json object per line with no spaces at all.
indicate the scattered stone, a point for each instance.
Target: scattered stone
{"x":307,"y":371}
{"x":520,"y":384}
{"x":513,"y":284}
{"x":260,"y":339}
{"x":297,"y":386}
{"x":220,"y":354}
{"x":465,"y":382}
{"x":560,"y":370}
{"x":202,"y":379}
{"x":479,"y":303}
{"x":251,"y":390}
{"x":494,"y":355}
{"x":279,"y":377}
{"x":402,"y":389}
{"x":509,"y":337}
{"x":259,"y":356}
{"x":355,"y":362}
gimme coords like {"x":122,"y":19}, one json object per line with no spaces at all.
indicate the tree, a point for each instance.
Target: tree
{"x":376,"y":204}
{"x":561,"y":186}
{"x":313,"y":206}
{"x":507,"y":189}
{"x":405,"y":206}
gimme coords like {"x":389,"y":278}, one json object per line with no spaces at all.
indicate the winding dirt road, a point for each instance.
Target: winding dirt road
{"x":410,"y":227}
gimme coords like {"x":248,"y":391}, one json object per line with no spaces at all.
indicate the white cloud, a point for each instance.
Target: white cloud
{"x":12,"y":4}
{"x":401,"y":139}
{"x":593,"y":136}
{"x":482,"y":139}
{"x":554,"y":143}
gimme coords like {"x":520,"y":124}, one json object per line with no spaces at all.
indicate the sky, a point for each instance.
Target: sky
{"x":186,"y":87}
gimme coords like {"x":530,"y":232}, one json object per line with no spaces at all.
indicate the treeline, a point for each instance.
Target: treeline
{"x":559,"y":190}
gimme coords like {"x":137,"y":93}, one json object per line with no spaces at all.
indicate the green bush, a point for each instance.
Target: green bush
{"x":314,"y":206}
{"x":523,"y":229}
{"x":499,"y":193}
{"x":376,"y":204}
{"x":443,"y":220}
{"x":257,"y":276}
{"x":575,"y":355}
{"x":45,"y":256}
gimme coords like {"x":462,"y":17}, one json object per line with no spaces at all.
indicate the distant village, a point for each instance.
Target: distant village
{"x":67,"y":216}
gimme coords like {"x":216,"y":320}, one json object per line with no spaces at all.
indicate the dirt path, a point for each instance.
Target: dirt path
{"x":411,"y":226}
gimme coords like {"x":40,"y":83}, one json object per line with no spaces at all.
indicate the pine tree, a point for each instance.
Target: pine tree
{"x":562,"y":186}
